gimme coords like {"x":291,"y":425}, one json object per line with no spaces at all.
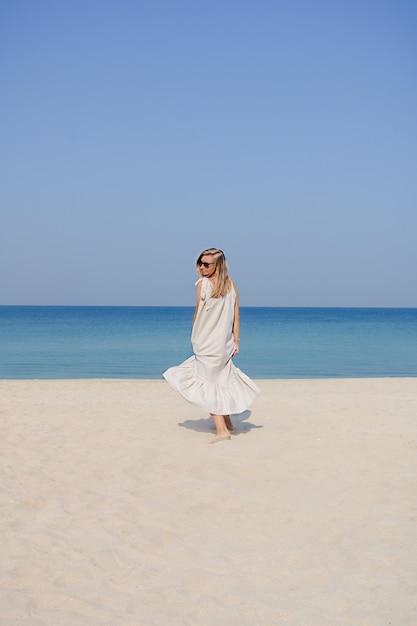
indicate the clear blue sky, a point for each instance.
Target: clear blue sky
{"x":134,"y":134}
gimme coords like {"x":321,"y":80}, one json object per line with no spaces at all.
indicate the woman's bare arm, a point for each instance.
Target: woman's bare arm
{"x":236,"y":323}
{"x":198,"y":295}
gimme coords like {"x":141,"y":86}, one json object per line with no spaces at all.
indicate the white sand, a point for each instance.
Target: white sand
{"x":115,"y":510}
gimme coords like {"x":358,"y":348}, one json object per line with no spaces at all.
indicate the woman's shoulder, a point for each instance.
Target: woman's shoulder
{"x":203,"y":282}
{"x":203,"y":287}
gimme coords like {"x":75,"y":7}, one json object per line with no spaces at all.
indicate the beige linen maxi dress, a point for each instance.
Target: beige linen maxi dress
{"x":209,"y":378}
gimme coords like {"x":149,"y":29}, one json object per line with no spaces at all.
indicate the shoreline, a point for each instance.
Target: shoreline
{"x":115,"y":510}
{"x":158,"y":380}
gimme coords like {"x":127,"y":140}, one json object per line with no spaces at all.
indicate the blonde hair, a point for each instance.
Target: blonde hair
{"x":222,"y":282}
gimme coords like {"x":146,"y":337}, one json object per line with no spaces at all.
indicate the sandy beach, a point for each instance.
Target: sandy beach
{"x":115,"y":510}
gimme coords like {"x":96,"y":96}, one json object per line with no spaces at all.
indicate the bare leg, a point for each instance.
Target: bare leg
{"x":228,"y":422}
{"x":222,"y":432}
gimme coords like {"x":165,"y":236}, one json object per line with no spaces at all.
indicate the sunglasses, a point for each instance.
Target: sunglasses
{"x":206,"y":265}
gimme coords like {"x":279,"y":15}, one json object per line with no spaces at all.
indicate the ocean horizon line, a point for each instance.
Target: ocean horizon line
{"x":192,"y":306}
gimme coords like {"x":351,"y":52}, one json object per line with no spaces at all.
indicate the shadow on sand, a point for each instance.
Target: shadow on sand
{"x":206,"y":425}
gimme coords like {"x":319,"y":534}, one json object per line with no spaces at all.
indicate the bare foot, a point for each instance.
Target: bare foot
{"x":218,"y":438}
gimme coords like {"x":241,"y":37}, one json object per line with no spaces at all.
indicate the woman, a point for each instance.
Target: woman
{"x":209,"y":378}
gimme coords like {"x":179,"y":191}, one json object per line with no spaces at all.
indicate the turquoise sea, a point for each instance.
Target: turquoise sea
{"x":44,"y":342}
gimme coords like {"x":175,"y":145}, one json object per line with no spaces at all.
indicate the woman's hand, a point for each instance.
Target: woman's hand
{"x":236,"y":350}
